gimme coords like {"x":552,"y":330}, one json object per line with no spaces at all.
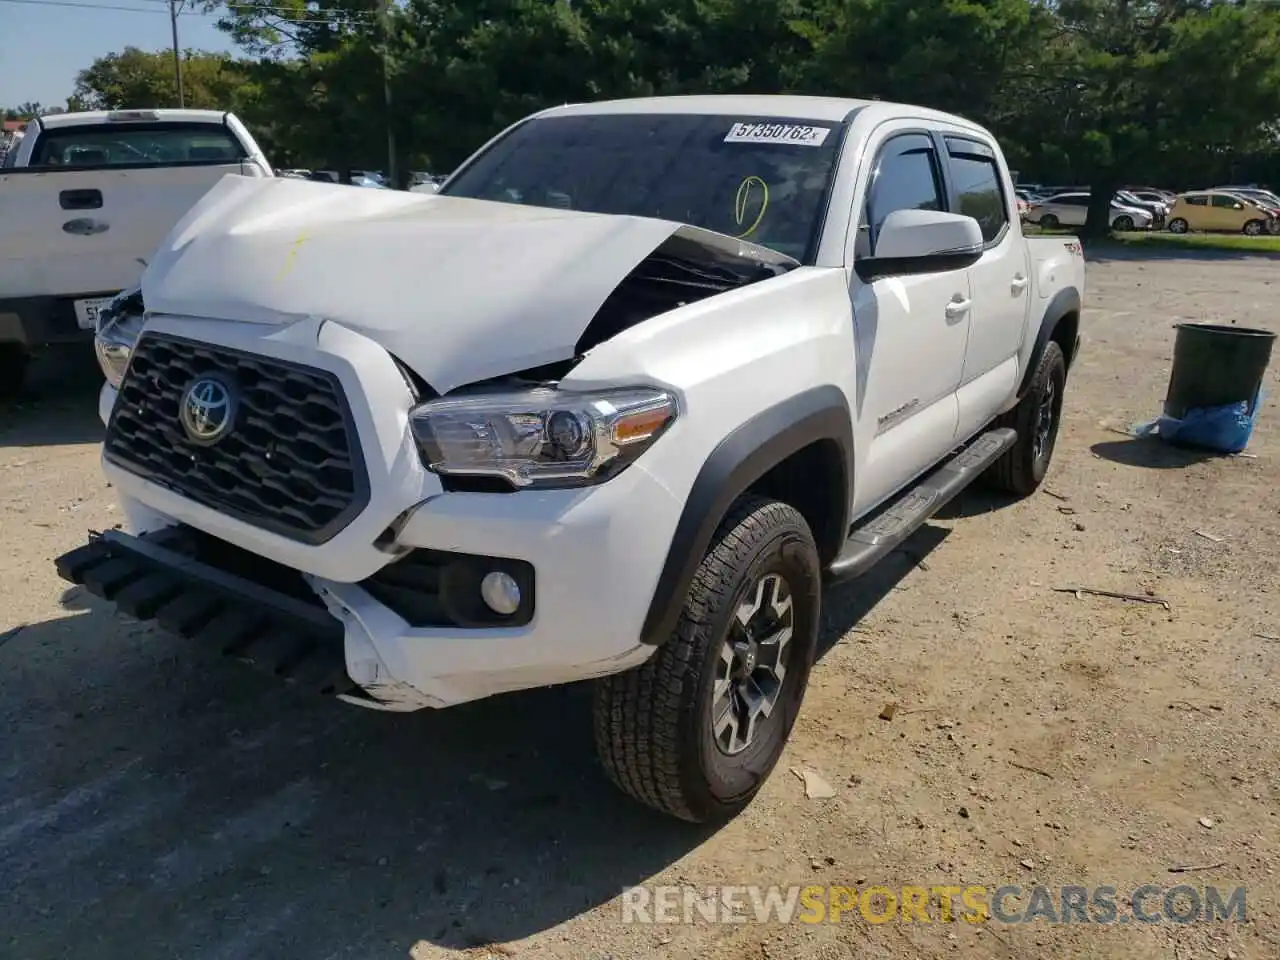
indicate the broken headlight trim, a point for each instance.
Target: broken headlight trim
{"x":115,"y":333}
{"x":542,"y":437}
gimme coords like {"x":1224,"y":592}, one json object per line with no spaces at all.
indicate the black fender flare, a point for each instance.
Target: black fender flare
{"x":738,"y":461}
{"x":1065,"y":301}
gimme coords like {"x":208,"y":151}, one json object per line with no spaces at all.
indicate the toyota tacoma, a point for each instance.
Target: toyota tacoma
{"x":614,"y":404}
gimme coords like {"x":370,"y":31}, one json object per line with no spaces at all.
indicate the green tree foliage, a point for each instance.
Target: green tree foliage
{"x":1173,"y":92}
{"x":140,"y":79}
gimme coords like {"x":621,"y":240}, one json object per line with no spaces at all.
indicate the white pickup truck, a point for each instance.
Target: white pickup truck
{"x":85,"y":198}
{"x":613,"y":404}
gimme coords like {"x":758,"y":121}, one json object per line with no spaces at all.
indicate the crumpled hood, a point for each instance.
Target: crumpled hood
{"x":460,"y":290}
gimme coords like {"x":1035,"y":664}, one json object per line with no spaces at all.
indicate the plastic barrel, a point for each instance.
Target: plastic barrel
{"x":1215,"y":365}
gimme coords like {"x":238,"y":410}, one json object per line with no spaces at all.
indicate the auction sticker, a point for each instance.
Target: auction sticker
{"x":799,"y":134}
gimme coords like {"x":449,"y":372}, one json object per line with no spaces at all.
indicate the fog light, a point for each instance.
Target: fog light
{"x":500,"y":592}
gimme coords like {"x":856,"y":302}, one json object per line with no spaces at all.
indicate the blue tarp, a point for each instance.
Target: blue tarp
{"x":1224,"y":429}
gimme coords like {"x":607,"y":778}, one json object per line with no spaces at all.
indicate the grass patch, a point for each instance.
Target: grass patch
{"x":1236,"y":242}
{"x":1201,"y":241}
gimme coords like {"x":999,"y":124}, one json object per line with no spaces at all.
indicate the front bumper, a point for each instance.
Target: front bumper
{"x":596,"y":553}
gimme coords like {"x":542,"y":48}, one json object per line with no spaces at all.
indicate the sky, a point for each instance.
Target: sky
{"x":43,"y":46}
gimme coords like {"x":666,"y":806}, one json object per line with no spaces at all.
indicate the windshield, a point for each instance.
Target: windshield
{"x":136,"y":144}
{"x":754,"y":178}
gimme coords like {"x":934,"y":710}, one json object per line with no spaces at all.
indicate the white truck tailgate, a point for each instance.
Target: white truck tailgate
{"x":87,"y":230}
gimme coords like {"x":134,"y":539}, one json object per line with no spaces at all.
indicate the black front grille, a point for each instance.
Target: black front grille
{"x":291,"y":462}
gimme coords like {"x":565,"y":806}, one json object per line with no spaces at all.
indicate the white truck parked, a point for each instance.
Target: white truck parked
{"x":613,"y":404}
{"x":86,"y":198}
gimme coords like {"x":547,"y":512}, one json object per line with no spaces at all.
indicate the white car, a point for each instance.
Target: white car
{"x":1072,"y":209}
{"x":86,"y":198}
{"x":414,"y":451}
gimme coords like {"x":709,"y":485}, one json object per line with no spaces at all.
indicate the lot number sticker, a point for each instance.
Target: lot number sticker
{"x":794,"y":133}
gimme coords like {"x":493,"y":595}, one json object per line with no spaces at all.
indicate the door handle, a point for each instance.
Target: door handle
{"x":1019,"y":283}
{"x":957,"y":308}
{"x":80,"y":199}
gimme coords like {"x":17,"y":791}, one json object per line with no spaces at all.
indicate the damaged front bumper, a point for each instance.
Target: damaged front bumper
{"x":200,"y":589}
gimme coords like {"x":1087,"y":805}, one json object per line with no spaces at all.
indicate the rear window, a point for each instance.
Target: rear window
{"x":760,"y":179}
{"x":136,"y":145}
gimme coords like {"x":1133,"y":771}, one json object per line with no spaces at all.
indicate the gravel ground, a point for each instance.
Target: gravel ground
{"x":156,"y":801}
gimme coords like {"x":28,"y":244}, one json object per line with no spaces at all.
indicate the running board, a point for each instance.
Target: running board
{"x":870,"y":543}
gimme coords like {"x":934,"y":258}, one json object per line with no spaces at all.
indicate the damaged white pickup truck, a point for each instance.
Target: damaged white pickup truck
{"x":615,"y":403}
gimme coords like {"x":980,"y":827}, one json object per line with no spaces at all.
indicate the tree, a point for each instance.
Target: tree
{"x":140,"y":79}
{"x":1138,"y":91}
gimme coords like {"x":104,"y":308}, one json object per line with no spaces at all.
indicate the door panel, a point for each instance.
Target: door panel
{"x":910,"y":347}
{"x":1000,"y":281}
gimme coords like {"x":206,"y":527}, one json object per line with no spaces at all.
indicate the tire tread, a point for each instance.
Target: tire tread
{"x":638,"y":713}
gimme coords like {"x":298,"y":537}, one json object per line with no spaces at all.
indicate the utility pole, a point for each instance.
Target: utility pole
{"x":177,"y":56}
{"x":386,"y":95}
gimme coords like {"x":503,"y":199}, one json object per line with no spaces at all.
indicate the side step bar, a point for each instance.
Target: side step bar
{"x":160,"y":577}
{"x":871,"y":542}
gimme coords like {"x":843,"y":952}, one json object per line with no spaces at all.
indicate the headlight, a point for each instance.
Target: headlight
{"x":116,"y":331}
{"x":542,"y":437}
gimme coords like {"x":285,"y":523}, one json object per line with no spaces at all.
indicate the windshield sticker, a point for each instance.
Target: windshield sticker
{"x":793,"y":133}
{"x":748,"y":190}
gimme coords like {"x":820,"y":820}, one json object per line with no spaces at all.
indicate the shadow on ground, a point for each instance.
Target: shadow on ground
{"x":59,"y":404}
{"x":1152,"y":453}
{"x":157,"y":800}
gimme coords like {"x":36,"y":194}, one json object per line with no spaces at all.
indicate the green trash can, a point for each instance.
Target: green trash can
{"x":1215,"y":365}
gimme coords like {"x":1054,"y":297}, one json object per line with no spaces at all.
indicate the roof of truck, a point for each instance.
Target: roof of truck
{"x":55,"y":120}
{"x":827,"y":109}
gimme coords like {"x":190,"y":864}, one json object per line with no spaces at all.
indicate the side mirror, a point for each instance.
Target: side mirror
{"x":922,"y":241}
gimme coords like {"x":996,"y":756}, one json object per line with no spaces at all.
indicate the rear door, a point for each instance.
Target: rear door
{"x":1000,"y":282}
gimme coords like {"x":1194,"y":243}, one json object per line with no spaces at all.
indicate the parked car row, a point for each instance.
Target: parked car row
{"x":1250,"y":210}
{"x":419,"y":181}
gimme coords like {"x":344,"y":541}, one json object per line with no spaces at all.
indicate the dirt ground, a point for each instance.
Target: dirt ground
{"x":157,"y":801}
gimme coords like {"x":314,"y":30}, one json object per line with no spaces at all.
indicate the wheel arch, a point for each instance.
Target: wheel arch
{"x":1060,"y":324}
{"x":799,"y":451}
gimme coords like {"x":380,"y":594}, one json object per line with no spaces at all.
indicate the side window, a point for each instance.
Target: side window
{"x":907,"y":177}
{"x":1228,"y":202}
{"x":978,"y":191}
{"x":1198,"y":201}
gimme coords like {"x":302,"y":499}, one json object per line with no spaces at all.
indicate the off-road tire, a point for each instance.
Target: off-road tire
{"x":653,"y":725}
{"x":1178,"y":225}
{"x":14,"y":361}
{"x":1022,"y":468}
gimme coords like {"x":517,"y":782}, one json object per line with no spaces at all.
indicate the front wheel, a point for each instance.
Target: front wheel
{"x":1035,"y":419}
{"x":1049,"y":222}
{"x":1177,"y":225}
{"x":695,"y":731}
{"x":1254,"y":228}
{"x":1122,"y":223}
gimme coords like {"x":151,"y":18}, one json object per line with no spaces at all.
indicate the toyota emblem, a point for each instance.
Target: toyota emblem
{"x":208,"y":410}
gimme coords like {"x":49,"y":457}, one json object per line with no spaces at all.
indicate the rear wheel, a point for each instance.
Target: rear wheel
{"x":1254,"y":228}
{"x":1273,"y":226}
{"x":14,"y":360}
{"x":1036,"y":418}
{"x":1049,"y":222}
{"x":1177,"y":225}
{"x":696,"y":730}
